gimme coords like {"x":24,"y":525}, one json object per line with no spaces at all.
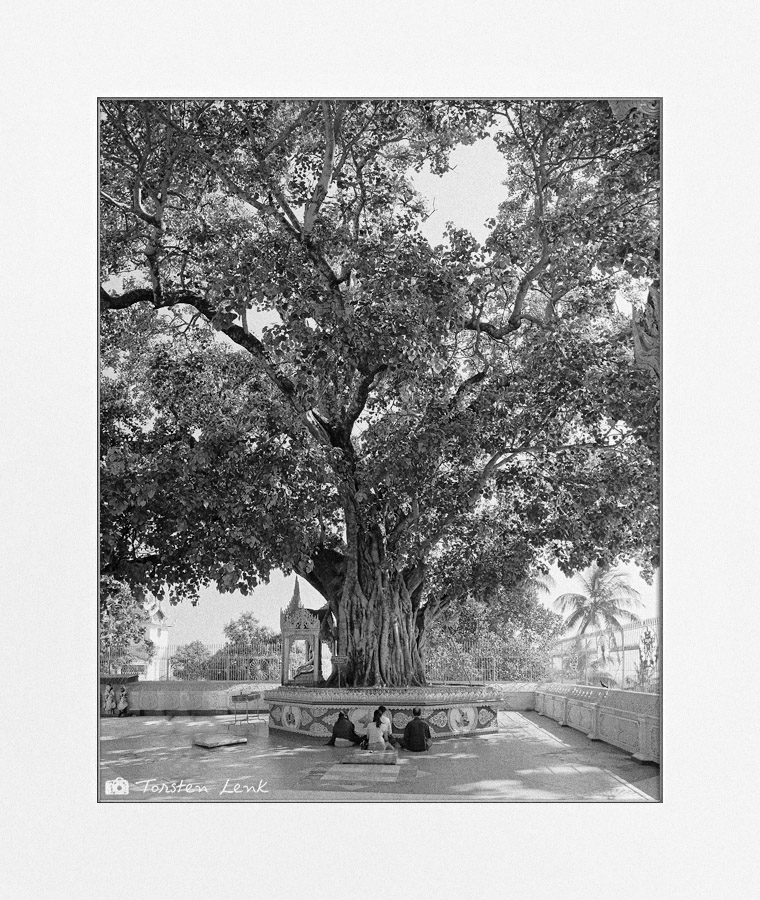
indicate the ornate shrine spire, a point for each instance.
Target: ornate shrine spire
{"x":295,"y":600}
{"x":296,"y":617}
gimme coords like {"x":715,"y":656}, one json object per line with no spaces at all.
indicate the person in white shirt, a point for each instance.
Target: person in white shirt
{"x":376,"y":731}
{"x":385,"y":717}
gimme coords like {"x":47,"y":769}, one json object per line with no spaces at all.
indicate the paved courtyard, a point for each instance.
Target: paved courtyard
{"x":530,"y":758}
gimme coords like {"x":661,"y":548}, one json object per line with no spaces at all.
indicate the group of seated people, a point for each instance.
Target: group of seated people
{"x":379,"y":736}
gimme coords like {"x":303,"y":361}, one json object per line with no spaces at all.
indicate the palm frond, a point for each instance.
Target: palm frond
{"x":572,"y":620}
{"x":542,"y":584}
{"x":566,"y":601}
{"x":631,"y":617}
{"x":613,"y":621}
{"x":620,"y":587}
{"x":586,"y":582}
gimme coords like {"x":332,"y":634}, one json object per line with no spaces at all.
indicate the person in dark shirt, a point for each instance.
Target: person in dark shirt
{"x":417,"y":736}
{"x":344,"y":728}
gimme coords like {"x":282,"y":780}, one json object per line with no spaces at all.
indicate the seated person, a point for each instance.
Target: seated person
{"x":417,"y":736}
{"x":385,"y":717}
{"x":376,"y":731}
{"x":344,"y":728}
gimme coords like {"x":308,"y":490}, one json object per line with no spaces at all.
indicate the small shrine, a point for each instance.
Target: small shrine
{"x":300,"y":624}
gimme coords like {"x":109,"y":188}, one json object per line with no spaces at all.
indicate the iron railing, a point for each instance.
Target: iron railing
{"x":450,"y":660}
{"x":196,"y":661}
{"x":627,"y":658}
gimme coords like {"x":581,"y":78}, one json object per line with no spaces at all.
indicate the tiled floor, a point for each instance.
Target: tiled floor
{"x":530,"y":758}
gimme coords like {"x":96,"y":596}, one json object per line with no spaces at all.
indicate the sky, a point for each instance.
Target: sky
{"x":205,"y":621}
{"x":466,"y":196}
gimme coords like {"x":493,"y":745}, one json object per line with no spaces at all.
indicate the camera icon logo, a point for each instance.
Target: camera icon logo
{"x":119,"y":786}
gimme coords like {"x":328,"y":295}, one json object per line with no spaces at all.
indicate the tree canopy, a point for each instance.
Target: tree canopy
{"x":507,"y":637}
{"x":123,"y":623}
{"x":246,"y":631}
{"x":293,"y":377}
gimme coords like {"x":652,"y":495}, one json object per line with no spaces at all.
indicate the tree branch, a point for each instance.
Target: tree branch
{"x":327,"y":574}
{"x":284,"y":135}
{"x":465,"y":386}
{"x":359,"y":400}
{"x":471,"y":498}
{"x":321,"y":431}
{"x":237,"y":334}
{"x":285,"y":215}
{"x":328,"y":161}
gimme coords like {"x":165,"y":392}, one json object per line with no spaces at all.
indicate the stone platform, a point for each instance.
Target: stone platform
{"x":447,"y":710}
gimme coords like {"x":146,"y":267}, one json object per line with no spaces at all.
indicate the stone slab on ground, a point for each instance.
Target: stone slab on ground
{"x":359,"y":773}
{"x":371,"y":758}
{"x":212,"y":741}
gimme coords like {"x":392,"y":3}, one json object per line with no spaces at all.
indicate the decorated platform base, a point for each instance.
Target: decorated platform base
{"x":447,"y":710}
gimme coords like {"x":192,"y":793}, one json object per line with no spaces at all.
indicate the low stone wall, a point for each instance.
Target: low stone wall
{"x":516,"y":695}
{"x":625,"y":719}
{"x":187,"y":698}
{"x":511,"y":695}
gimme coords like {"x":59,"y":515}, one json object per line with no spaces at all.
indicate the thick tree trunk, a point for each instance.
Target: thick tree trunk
{"x":379,"y":632}
{"x":378,"y":625}
{"x":375,"y":606}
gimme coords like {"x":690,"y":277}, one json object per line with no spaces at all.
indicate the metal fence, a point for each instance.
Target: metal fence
{"x":199,"y":662}
{"x":451,"y":660}
{"x":448,"y":660}
{"x":627,"y":658}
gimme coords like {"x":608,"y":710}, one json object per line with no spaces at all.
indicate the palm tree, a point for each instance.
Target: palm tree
{"x":606,"y":603}
{"x":605,"y":600}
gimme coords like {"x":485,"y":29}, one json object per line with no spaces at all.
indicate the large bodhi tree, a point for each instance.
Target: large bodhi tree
{"x":387,"y":418}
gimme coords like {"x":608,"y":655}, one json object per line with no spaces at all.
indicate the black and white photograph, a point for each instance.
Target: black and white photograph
{"x":396,"y":364}
{"x":378,"y":475}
